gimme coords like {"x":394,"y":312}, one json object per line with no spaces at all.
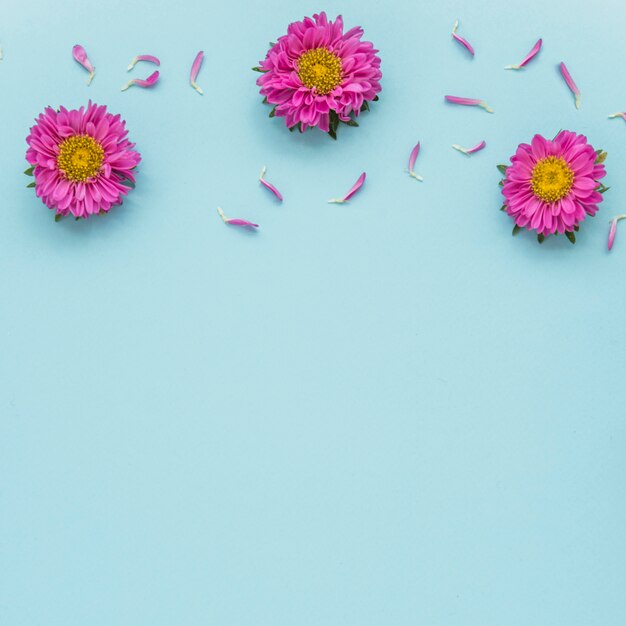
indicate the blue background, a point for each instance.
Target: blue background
{"x":387,"y":412}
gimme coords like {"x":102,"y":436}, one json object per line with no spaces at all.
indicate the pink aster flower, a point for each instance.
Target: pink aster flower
{"x":82,"y":160}
{"x":552,"y":185}
{"x":317,"y":75}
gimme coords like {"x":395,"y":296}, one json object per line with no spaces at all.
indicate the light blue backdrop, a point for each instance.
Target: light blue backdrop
{"x":385,"y":413}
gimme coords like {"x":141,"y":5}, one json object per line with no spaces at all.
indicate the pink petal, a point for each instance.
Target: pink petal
{"x":235,"y":221}
{"x":413,"y":156}
{"x":613,"y":229}
{"x":269,"y":186}
{"x":238,"y":222}
{"x":80,"y":56}
{"x":412,"y":159}
{"x":470,"y":102}
{"x":148,"y":82}
{"x":612,"y":232}
{"x":143,"y":57}
{"x":466,"y":44}
{"x":622,"y":115}
{"x":469,"y":151}
{"x":528,"y":58}
{"x":570,"y":83}
{"x":353,"y":190}
{"x":195,"y":69}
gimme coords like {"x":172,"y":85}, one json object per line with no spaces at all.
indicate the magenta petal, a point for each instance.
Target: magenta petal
{"x":353,"y":190}
{"x":148,"y":58}
{"x":466,"y":44}
{"x":413,"y":156}
{"x":269,"y":186}
{"x":471,"y":102}
{"x":612,"y":232}
{"x":238,"y":222}
{"x":570,"y":83}
{"x":195,"y":69}
{"x":80,"y":56}
{"x":144,"y":83}
{"x":528,"y":58}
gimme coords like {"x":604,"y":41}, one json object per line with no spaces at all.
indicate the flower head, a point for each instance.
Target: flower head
{"x":552,"y":185}
{"x":82,"y":160}
{"x":317,"y":75}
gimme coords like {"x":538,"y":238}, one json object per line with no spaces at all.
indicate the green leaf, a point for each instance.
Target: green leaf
{"x":58,"y":217}
{"x":273,"y":112}
{"x":351,"y":123}
{"x":29,"y":171}
{"x":540,"y":238}
{"x":30,"y":185}
{"x":601,"y":158}
{"x":570,"y":235}
{"x":502,"y":168}
{"x":516,"y":230}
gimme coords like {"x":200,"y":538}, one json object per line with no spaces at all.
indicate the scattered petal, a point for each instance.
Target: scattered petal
{"x":570,"y":83}
{"x":468,"y":102}
{"x":412,"y":159}
{"x":613,"y":229}
{"x":470,"y":151}
{"x":353,"y":190}
{"x":148,"y":82}
{"x":466,"y":44}
{"x":613,"y":115}
{"x":144,"y":57}
{"x":80,"y":56}
{"x":528,"y":58}
{"x":236,"y":221}
{"x":195,"y":69}
{"x":269,"y":185}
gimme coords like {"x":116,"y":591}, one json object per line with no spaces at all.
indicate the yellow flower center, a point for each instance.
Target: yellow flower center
{"x":552,"y":178}
{"x":80,"y":158}
{"x":320,"y":69}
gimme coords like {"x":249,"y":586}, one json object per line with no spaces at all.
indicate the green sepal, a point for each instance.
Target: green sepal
{"x":503,"y":207}
{"x":58,"y":217}
{"x":292,"y":128}
{"x":332,"y":134}
{"x":540,"y":238}
{"x":601,"y":158}
{"x":365,"y":106}
{"x":375,"y":99}
{"x":30,"y":185}
{"x":577,"y":228}
{"x":127,"y":182}
{"x":516,"y":230}
{"x":502,"y":168}
{"x":265,"y":100}
{"x":351,"y":123}
{"x":258,"y":69}
{"x":273,"y":112}
{"x":272,"y":44}
{"x":571,"y":236}
{"x":602,"y":188}
{"x":501,"y":183}
{"x":29,"y":171}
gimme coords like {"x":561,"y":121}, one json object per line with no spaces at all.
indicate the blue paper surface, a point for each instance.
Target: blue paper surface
{"x":384,"y":412}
